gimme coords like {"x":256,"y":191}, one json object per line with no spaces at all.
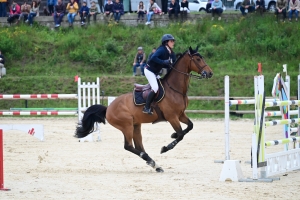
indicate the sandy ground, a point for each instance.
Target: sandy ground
{"x":62,"y":168}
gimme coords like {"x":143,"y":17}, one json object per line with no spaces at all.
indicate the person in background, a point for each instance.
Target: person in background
{"x":72,"y":8}
{"x":281,"y":6}
{"x":216,"y":8}
{"x":108,"y":10}
{"x":173,"y":9}
{"x":35,"y":6}
{"x":83,"y":12}
{"x":118,"y":10}
{"x":152,"y":8}
{"x":25,"y":10}
{"x":260,"y":6}
{"x":151,"y":54}
{"x":3,"y":4}
{"x":208,"y":6}
{"x":51,"y":4}
{"x":141,"y":11}
{"x":14,"y":12}
{"x":294,"y":7}
{"x":93,"y":12}
{"x":139,"y":61}
{"x":2,"y":62}
{"x":247,"y":6}
{"x":184,"y":9}
{"x":164,"y":6}
{"x":59,"y":13}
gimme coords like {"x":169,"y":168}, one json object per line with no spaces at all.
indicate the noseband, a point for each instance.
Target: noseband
{"x":203,"y":75}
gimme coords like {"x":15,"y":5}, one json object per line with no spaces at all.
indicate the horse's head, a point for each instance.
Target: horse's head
{"x":197,"y":63}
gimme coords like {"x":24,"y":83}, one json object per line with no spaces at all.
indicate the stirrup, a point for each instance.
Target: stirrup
{"x":147,"y":111}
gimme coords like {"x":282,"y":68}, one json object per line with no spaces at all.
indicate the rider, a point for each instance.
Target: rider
{"x":162,"y":58}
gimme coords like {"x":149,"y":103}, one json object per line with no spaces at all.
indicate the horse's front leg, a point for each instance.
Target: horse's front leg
{"x":180,"y":133}
{"x":184,"y":119}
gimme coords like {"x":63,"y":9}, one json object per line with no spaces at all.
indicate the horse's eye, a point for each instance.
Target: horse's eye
{"x":198,"y":59}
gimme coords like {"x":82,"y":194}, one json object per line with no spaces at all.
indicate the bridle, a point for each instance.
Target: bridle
{"x":203,"y":74}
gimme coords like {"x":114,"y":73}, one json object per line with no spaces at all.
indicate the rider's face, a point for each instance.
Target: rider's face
{"x":171,"y":43}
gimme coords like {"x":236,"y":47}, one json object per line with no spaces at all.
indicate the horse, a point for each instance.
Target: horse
{"x":124,"y":115}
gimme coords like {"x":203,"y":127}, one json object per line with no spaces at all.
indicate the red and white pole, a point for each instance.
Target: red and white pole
{"x":1,"y":163}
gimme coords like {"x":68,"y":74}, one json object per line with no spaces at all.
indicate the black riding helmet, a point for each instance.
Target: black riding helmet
{"x":166,"y":37}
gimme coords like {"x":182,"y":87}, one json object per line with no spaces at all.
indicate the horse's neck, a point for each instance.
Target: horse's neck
{"x":178,"y":81}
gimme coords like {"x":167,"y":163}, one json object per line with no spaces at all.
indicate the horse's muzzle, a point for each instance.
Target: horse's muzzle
{"x":204,"y":74}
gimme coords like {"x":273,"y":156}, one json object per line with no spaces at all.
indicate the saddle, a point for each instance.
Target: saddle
{"x":140,"y":93}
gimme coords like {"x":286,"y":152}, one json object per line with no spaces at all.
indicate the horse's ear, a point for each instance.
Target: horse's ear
{"x":196,"y":50}
{"x":190,"y":50}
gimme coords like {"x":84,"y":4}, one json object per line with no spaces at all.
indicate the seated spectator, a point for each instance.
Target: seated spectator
{"x":151,"y":54}
{"x":260,"y":6}
{"x":25,"y":10}
{"x":93,"y":12}
{"x":139,"y":61}
{"x":281,"y":6}
{"x":184,"y":9}
{"x":294,"y":7}
{"x":173,"y":9}
{"x":51,"y":4}
{"x":2,"y":62}
{"x":247,"y":7}
{"x":35,"y":6}
{"x":3,"y":4}
{"x":152,"y":8}
{"x":208,"y":6}
{"x":108,"y":10}
{"x":216,"y":8}
{"x":14,"y":12}
{"x":72,"y":8}
{"x":59,"y":13}
{"x":141,"y":11}
{"x":83,"y":12}
{"x":118,"y":10}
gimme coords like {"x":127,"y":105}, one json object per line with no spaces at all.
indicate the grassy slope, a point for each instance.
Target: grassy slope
{"x":44,"y":61}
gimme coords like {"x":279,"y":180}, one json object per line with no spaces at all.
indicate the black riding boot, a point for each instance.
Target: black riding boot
{"x":147,"y":108}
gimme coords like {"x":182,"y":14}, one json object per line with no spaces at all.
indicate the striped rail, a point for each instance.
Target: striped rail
{"x":283,"y":141}
{"x":281,"y":122}
{"x":282,"y":103}
{"x":38,"y":96}
{"x":14,"y":113}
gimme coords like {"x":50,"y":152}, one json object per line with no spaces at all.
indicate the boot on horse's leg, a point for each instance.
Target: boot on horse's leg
{"x":147,"y":108}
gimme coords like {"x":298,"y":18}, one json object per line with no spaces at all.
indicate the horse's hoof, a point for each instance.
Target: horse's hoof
{"x":159,"y":170}
{"x":174,"y":135}
{"x":164,"y":149}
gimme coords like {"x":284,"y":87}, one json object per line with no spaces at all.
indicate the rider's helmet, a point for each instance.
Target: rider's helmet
{"x":167,"y":37}
{"x":140,"y":48}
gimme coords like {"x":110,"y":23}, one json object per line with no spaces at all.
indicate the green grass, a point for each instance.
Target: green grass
{"x":39,"y":60}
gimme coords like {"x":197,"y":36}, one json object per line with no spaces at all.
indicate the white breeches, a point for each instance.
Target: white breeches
{"x":151,"y":79}
{"x":184,"y":9}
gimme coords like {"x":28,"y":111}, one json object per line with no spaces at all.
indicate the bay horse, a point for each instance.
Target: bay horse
{"x":124,"y":115}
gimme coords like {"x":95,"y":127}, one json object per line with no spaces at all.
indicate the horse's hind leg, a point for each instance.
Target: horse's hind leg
{"x":184,"y":119}
{"x":139,"y":149}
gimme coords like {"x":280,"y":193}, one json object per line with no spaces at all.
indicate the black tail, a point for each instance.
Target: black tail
{"x":95,"y":113}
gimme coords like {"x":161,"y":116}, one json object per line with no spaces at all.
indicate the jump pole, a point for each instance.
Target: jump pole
{"x":2,"y":188}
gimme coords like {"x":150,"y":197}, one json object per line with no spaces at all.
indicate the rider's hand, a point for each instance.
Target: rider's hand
{"x":166,"y":62}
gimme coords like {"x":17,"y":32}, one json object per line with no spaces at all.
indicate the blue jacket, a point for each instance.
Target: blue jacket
{"x":52,"y":2}
{"x":218,"y":4}
{"x":175,"y":6}
{"x":156,"y":62}
{"x":119,"y":7}
{"x":84,"y":8}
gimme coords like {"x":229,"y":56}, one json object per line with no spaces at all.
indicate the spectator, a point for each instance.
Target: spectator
{"x":152,"y":9}
{"x":14,"y":12}
{"x":72,"y":8}
{"x":216,"y":8}
{"x":93,"y":12}
{"x":83,"y":12}
{"x":141,"y":11}
{"x":139,"y":61}
{"x":208,"y":6}
{"x":108,"y":10}
{"x":59,"y":13}
{"x":150,"y":55}
{"x":164,"y":6}
{"x":247,"y":6}
{"x":2,"y":62}
{"x":281,"y":6}
{"x":51,"y":4}
{"x":3,"y":4}
{"x":294,"y":7}
{"x":260,"y":6}
{"x":33,"y":11}
{"x":118,"y":10}
{"x":173,"y":9}
{"x":25,"y":10}
{"x":184,"y":9}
